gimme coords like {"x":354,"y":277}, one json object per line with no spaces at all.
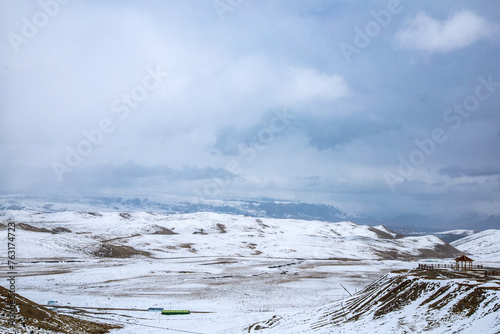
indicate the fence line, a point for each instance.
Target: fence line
{"x":431,"y":267}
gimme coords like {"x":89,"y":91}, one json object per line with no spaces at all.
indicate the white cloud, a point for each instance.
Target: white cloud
{"x":307,"y":84}
{"x":458,"y":31}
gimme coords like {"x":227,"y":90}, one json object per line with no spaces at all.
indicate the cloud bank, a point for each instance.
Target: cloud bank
{"x":179,"y":98}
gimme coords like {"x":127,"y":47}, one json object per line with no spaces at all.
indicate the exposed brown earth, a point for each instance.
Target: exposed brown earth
{"x":221,"y":227}
{"x":162,"y":230}
{"x":31,"y":228}
{"x":113,"y":251}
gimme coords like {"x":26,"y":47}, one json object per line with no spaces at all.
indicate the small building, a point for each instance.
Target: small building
{"x":155,"y":309}
{"x":175,"y":312}
{"x":464,"y":263}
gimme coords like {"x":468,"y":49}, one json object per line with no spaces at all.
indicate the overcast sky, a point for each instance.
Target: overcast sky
{"x":378,"y":107}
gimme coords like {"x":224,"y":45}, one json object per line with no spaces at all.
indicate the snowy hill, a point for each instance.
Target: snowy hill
{"x":416,"y":301}
{"x":483,"y":245}
{"x":114,"y":234}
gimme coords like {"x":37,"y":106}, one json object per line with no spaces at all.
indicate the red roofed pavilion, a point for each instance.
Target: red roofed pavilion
{"x":464,"y":262}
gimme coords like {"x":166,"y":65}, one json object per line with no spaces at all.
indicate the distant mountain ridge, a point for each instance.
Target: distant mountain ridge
{"x":265,"y":209}
{"x":406,"y":224}
{"x":453,"y":235}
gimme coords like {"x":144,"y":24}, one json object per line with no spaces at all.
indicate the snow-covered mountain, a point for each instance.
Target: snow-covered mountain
{"x":257,"y":208}
{"x":409,"y":224}
{"x":483,"y":245}
{"x":115,"y":234}
{"x":411,"y":302}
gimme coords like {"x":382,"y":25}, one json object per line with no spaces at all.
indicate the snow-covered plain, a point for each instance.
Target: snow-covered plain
{"x":240,"y":269}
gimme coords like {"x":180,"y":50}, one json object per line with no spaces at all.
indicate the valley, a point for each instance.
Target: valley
{"x":229,"y":271}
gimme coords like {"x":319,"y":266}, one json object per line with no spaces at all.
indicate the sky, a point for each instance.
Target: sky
{"x":381,"y":108}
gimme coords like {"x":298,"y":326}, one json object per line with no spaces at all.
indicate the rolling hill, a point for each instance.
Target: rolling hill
{"x":115,"y":234}
{"x":484,"y":245}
